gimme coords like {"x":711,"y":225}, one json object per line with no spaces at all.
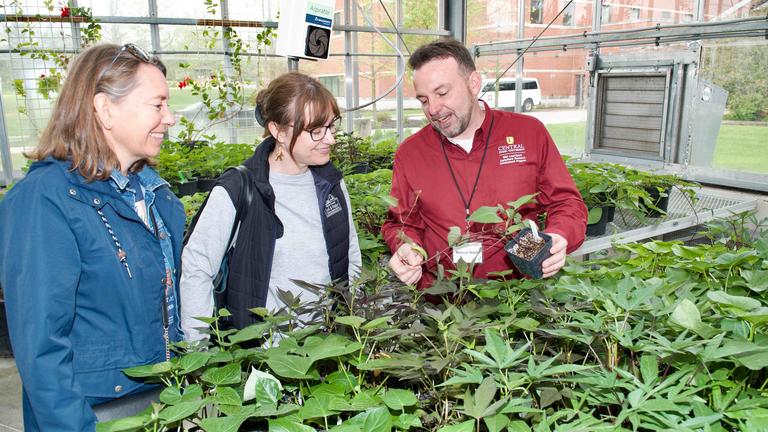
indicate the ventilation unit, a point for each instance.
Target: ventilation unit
{"x":304,"y":29}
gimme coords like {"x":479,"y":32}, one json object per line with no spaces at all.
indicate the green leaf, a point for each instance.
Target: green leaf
{"x":376,"y":420}
{"x":153,"y":370}
{"x":263,"y":387}
{"x":225,"y":375}
{"x":253,"y":331}
{"x":398,"y":399}
{"x":548,"y":396}
{"x":523,"y":200}
{"x":485,"y":214}
{"x":476,"y":405}
{"x":649,"y":368}
{"x":686,"y":315}
{"x":407,"y":421}
{"x":756,"y":280}
{"x":318,"y":348}
{"x":467,"y":426}
{"x":365,"y":400}
{"x":319,"y":406}
{"x":496,"y":423}
{"x":740,"y":302}
{"x":227,"y":396}
{"x":289,"y":366}
{"x":377,"y":322}
{"x":496,"y":347}
{"x":518,"y":426}
{"x":223,"y":424}
{"x":194,"y":361}
{"x":454,"y":236}
{"x":284,"y":424}
{"x":351,"y":320}
{"x":594,"y":215}
{"x":174,"y":413}
{"x":468,"y":375}
{"x":128,"y":424}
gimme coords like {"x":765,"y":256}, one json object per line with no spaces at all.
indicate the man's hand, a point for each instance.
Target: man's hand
{"x":406,"y":263}
{"x":551,"y":265}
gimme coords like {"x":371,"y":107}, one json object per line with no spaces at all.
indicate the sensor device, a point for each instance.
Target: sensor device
{"x":304,"y":29}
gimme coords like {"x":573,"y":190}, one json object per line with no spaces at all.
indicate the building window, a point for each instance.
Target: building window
{"x":334,"y":83}
{"x":536,"y":11}
{"x":336,"y":22}
{"x":634,"y":14}
{"x":568,"y":14}
{"x":606,"y":14}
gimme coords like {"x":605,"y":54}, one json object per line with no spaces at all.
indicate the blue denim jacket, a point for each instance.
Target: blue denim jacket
{"x":76,"y":317}
{"x":150,"y":182}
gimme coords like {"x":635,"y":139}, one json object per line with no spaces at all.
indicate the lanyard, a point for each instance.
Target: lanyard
{"x":479,"y":170}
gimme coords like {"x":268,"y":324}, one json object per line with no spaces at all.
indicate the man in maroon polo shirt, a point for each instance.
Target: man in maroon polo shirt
{"x":467,"y":157}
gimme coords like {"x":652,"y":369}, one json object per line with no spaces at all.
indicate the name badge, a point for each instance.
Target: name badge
{"x":470,"y":253}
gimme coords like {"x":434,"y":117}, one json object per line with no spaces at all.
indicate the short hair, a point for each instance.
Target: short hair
{"x":441,"y":49}
{"x":285,"y":99}
{"x":74,"y":131}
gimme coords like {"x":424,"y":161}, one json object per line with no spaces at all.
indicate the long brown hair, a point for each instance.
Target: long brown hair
{"x":285,"y":99}
{"x":73,"y":131}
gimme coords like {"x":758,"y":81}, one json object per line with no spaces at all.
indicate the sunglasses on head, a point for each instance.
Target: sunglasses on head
{"x":138,"y":53}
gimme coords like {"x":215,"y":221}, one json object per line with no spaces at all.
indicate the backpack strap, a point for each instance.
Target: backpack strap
{"x":244,"y":199}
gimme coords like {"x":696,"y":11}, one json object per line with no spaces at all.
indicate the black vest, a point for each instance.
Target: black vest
{"x":251,"y":261}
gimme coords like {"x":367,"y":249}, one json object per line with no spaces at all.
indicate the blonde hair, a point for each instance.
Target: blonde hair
{"x":286,"y":98}
{"x":73,"y":131}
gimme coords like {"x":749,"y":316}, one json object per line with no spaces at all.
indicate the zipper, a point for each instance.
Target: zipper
{"x":166,"y":339}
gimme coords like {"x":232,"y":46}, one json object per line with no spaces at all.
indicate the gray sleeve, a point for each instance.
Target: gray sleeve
{"x":201,"y":259}
{"x":355,"y":256}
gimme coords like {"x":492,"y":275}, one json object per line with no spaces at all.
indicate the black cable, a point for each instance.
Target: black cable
{"x":498,"y":77}
{"x":394,"y":26}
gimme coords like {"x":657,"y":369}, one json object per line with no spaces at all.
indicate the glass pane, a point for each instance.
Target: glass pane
{"x":492,"y":20}
{"x":626,"y":14}
{"x":563,"y":87}
{"x":738,"y":67}
{"x":192,"y":9}
{"x":123,"y":33}
{"x":253,"y":10}
{"x":118,"y":7}
{"x":189,"y":38}
{"x":719,"y":10}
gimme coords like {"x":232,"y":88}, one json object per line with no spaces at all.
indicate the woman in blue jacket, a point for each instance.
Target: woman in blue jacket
{"x":90,"y":240}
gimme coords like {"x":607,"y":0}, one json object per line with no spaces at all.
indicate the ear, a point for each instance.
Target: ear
{"x":474,"y":83}
{"x":102,"y":105}
{"x":276,"y":131}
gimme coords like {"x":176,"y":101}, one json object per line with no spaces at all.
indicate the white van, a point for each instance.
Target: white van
{"x":531,"y":93}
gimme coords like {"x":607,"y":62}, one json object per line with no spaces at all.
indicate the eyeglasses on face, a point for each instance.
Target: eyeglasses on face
{"x":137,"y":52}
{"x":318,"y":133}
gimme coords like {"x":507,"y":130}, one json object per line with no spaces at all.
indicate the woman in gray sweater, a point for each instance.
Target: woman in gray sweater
{"x":298,"y":225}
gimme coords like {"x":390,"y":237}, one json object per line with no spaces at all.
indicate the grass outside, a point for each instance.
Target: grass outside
{"x":739,"y":147}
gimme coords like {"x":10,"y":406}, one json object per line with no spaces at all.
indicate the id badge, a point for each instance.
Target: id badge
{"x":471,"y":253}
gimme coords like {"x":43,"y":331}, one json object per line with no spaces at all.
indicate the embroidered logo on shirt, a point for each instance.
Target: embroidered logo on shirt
{"x":511,"y":153}
{"x":332,"y":206}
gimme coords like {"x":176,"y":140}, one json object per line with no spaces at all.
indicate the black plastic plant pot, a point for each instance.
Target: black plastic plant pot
{"x":205,"y":184}
{"x":598,"y":228}
{"x":610,"y":213}
{"x":530,"y":267}
{"x":188,"y":188}
{"x":662,"y":202}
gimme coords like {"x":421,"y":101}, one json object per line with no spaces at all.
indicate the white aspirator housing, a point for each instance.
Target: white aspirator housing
{"x":304,"y":28}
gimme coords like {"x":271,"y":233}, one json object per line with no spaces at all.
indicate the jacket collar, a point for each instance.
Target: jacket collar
{"x":259,"y":165}
{"x":148,"y":177}
{"x":480,"y":134}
